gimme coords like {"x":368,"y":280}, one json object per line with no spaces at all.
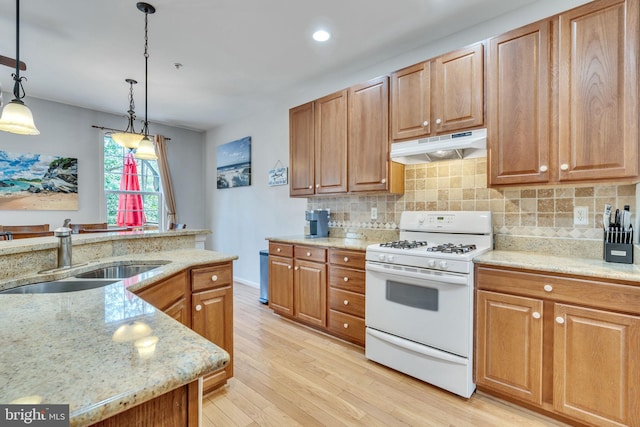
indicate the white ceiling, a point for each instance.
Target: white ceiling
{"x":236,"y":54}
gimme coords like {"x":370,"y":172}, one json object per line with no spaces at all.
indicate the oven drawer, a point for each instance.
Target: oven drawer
{"x":351,"y":259}
{"x":347,"y":325}
{"x":281,"y":249}
{"x":346,"y":302}
{"x":347,"y":279}
{"x":310,"y":254}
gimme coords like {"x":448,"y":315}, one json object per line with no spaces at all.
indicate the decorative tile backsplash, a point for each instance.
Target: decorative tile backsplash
{"x":454,"y":185}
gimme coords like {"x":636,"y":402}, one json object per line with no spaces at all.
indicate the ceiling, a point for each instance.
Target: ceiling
{"x":236,"y":55}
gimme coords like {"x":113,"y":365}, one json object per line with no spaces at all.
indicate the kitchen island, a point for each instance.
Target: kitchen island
{"x":88,"y":348}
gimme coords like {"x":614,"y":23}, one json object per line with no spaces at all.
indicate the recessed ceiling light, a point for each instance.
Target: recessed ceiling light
{"x":321,"y":36}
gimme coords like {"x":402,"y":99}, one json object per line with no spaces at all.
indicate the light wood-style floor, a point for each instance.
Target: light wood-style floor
{"x":289,"y":375}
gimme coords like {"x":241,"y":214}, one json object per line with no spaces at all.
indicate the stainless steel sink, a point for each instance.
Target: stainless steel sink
{"x":118,"y":271}
{"x":59,"y":286}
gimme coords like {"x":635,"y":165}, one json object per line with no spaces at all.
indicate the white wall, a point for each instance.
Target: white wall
{"x":241,"y":218}
{"x":66,"y":131}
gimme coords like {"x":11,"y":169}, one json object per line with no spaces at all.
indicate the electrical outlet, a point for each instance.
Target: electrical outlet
{"x":580,"y":215}
{"x":374,"y":213}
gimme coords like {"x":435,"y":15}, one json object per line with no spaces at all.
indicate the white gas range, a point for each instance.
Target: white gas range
{"x":419,"y":306}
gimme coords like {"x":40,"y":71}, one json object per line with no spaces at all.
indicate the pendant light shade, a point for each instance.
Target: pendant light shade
{"x":146,"y":149}
{"x":16,"y":117}
{"x":129,"y":138}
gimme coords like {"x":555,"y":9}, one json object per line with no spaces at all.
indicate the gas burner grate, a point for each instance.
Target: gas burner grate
{"x":403,"y":244}
{"x":451,"y":248}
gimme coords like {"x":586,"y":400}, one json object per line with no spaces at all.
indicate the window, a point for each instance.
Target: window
{"x":148,"y":198}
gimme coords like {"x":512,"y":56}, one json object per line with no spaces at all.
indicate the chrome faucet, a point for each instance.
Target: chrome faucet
{"x":64,"y":244}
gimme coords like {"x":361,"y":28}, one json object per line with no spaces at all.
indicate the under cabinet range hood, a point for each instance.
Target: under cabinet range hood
{"x":461,"y":145}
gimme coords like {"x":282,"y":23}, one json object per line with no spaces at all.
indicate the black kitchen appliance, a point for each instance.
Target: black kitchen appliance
{"x":318,"y":223}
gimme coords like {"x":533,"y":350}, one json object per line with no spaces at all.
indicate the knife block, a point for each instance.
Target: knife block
{"x":618,"y":252}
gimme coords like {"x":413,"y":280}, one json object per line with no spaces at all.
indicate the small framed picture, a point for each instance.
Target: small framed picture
{"x":278,"y":176}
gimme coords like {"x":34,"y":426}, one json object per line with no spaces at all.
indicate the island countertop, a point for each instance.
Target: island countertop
{"x":78,"y":348}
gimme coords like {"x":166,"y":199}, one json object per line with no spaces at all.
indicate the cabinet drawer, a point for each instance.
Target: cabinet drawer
{"x":164,"y":294}
{"x":310,"y":254}
{"x":351,"y":259}
{"x":347,"y":279}
{"x":346,"y":302}
{"x":347,"y":326}
{"x":280,"y":249}
{"x":593,"y":293}
{"x":211,"y":277}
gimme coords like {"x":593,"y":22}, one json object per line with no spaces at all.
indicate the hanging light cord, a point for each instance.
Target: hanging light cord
{"x":18,"y":89}
{"x":146,"y":67}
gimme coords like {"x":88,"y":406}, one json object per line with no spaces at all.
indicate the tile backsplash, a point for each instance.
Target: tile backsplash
{"x":545,"y":211}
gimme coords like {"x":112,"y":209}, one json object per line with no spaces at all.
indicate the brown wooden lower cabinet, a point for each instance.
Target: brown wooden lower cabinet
{"x":202,"y":299}
{"x":565,"y":345}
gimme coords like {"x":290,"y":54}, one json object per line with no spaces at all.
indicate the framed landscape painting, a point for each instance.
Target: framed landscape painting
{"x":234,"y":163}
{"x":38,"y":182}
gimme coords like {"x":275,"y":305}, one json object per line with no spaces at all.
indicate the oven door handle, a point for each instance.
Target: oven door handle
{"x":446,"y":278}
{"x":417,"y":348}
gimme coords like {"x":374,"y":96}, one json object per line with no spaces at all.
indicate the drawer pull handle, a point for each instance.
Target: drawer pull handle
{"x":346,"y":259}
{"x":308,"y":253}
{"x":536,"y":315}
{"x":278,"y":250}
{"x":560,"y":320}
{"x":346,"y":302}
{"x":198,"y":307}
{"x":548,"y":288}
{"x":346,"y":279}
{"x":214,"y":278}
{"x":346,"y":325}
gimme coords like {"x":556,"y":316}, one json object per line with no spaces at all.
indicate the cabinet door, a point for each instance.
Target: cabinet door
{"x":596,"y":368}
{"x":213,"y":319}
{"x":310,"y":292}
{"x":369,"y":136}
{"x":331,"y":143}
{"x":180,"y":311}
{"x":281,"y":284}
{"x":411,"y":102}
{"x":301,"y":150}
{"x":518,"y":82}
{"x":598,"y":91}
{"x":509,"y":345}
{"x":458,"y":91}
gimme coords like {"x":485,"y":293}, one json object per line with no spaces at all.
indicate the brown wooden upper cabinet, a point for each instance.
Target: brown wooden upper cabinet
{"x":580,"y":126}
{"x":442,"y":95}
{"x":340,"y":143}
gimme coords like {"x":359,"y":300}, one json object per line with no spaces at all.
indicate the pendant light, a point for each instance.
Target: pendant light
{"x":146,"y":149}
{"x":129,"y":138}
{"x":16,"y":116}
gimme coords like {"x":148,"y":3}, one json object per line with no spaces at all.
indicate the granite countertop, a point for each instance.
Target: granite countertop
{"x":328,"y":242}
{"x":586,"y":267}
{"x":77,"y":348}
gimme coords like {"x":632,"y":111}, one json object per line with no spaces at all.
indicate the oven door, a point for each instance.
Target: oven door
{"x":429,"y":307}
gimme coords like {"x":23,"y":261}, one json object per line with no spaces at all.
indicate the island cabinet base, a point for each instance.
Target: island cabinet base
{"x":178,"y":408}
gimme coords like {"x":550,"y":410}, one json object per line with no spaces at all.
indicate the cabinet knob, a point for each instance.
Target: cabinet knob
{"x":214,"y":278}
{"x":345,"y":302}
{"x":346,"y":259}
{"x":317,"y":185}
{"x":346,"y":325}
{"x":311,"y":187}
{"x":536,"y":315}
{"x":289,"y":267}
{"x":564,"y":167}
{"x":308,"y":253}
{"x":425,"y":123}
{"x":198,"y":307}
{"x":560,"y":320}
{"x":346,"y":279}
{"x":278,"y":250}
{"x":296,"y":268}
{"x":384,"y":181}
{"x":548,"y":288}
{"x":544,"y":168}
{"x":438,"y":121}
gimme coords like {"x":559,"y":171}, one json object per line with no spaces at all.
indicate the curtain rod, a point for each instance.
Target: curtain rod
{"x":118,"y":130}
